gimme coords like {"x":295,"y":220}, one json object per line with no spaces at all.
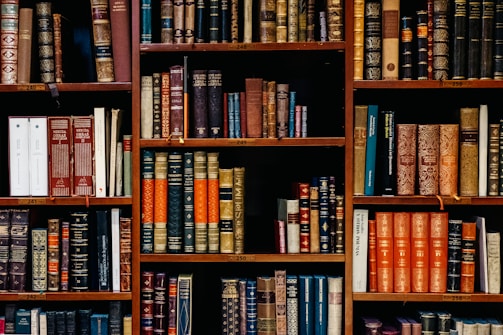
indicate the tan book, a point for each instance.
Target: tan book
{"x":468,"y":151}
{"x":427,"y":158}
{"x":189,"y":21}
{"x":24,"y":46}
{"x":234,"y":21}
{"x":390,"y":39}
{"x":314,"y":216}
{"x":281,"y":21}
{"x":271,"y":109}
{"x":406,"y":152}
{"x":449,"y":159}
{"x":266,"y":306}
{"x":267,"y":21}
{"x":358,"y":37}
{"x":248,"y":21}
{"x":147,"y":107}
{"x":359,"y":149}
{"x":178,"y":21}
{"x":493,"y":261}
{"x":293,"y":20}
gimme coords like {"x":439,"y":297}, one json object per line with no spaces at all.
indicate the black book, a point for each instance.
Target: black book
{"x":79,"y":251}
{"x":373,"y":40}
{"x":4,"y":248}
{"x":201,"y":21}
{"x":422,"y":44}
{"x":441,"y":40}
{"x":18,"y":253}
{"x":214,"y":21}
{"x":84,"y":321}
{"x":60,"y":322}
{"x":486,"y":40}
{"x":115,"y":317}
{"x":406,"y":43}
{"x":459,"y":40}
{"x":386,"y":169}
{"x":454,"y":256}
{"x":215,"y":103}
{"x":175,"y":202}
{"x":225,"y":21}
{"x":71,"y":322}
{"x":474,"y":26}
{"x":10,"y":318}
{"x":103,"y":249}
{"x":51,"y":322}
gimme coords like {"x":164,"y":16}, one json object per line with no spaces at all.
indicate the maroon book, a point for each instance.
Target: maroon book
{"x":60,"y":148}
{"x":121,"y":39}
{"x":83,"y":153}
{"x":176,"y":100}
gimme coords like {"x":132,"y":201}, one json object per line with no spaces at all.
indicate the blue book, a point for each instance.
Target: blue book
{"x":237,"y":115}
{"x":324,"y":217}
{"x":251,"y":307}
{"x":188,"y":202}
{"x":99,"y":323}
{"x":292,"y":304}
{"x":175,"y":202}
{"x":231,"y":115}
{"x":146,"y":21}
{"x":230,"y":305}
{"x":320,"y":304}
{"x":201,"y":24}
{"x":23,"y":321}
{"x":214,"y":21}
{"x":147,"y":225}
{"x":370,"y":153}
{"x":306,"y":305}
{"x":291,"y":114}
{"x":184,"y":305}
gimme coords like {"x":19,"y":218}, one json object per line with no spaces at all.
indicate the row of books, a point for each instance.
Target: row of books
{"x":312,"y":221}
{"x":427,"y":159}
{"x":107,"y":39}
{"x":81,"y":252}
{"x":68,"y":155}
{"x":231,"y":21}
{"x":402,"y":252}
{"x":20,"y":320}
{"x":190,"y":203}
{"x":266,"y":108}
{"x":441,"y":322}
{"x":441,"y":41}
{"x":166,"y":303}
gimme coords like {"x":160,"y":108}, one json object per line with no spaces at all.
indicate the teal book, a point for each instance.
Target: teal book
{"x":306,"y":305}
{"x":370,"y":158}
{"x":320,"y":286}
{"x":146,"y":22}
{"x":99,"y":323}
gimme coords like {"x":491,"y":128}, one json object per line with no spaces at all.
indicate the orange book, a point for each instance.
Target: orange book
{"x":468,"y":256}
{"x":372,"y":250}
{"x":384,"y":240}
{"x":201,"y":201}
{"x":401,"y":252}
{"x":419,"y":255}
{"x":439,"y":233}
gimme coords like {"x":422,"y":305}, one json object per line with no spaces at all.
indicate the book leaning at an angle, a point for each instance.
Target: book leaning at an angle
{"x":115,"y":126}
{"x":360,"y":248}
{"x":482,"y":254}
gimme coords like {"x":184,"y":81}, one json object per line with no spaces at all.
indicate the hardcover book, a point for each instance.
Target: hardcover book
{"x":390,"y":39}
{"x":64,"y":266}
{"x":9,"y":46}
{"x":39,"y":259}
{"x":251,"y":305}
{"x":306,"y":304}
{"x":230,"y":305}
{"x":320,"y":290}
{"x":407,"y":157}
{"x":474,"y":32}
{"x":266,"y":306}
{"x":370,"y":150}
{"x":314,"y":216}
{"x":200,"y":103}
{"x":79,"y":251}
{"x":45,"y":38}
{"x":358,"y":38}
{"x":215,"y":103}
{"x":454,"y":255}
{"x":147,"y":200}
{"x":386,"y":152}
{"x":483,"y":143}
{"x":373,"y":40}
{"x":38,"y":160}
{"x":406,"y":38}
{"x":468,"y":151}
{"x":360,"y":249}
{"x":439,"y":235}
{"x":292,"y":304}
{"x":360,"y":142}
{"x":147,"y":107}
{"x":280,"y":300}
{"x":334,"y":301}
{"x":304,"y":224}
{"x":175,"y":200}
{"x":487,"y":39}
{"x":188,"y":202}
{"x":482,"y":254}
{"x":102,"y":39}
{"x":239,"y":209}
{"x":165,"y":104}
{"x":253,"y":89}
{"x":459,"y":40}
{"x":493,"y":160}
{"x":282,"y":109}
{"x":125,"y":254}
{"x":60,"y":140}
{"x":121,"y":41}
{"x":214,"y":202}
{"x":53,"y":254}
{"x":401,"y":252}
{"x":448,"y":159}
{"x":372,"y":256}
{"x":83,"y":154}
{"x":160,"y":205}
{"x":102,"y":249}
{"x":201,"y":201}
{"x":468,"y":256}
{"x":441,"y":41}
{"x":493,"y":261}
{"x":184,"y":303}
{"x":427,"y":158}
{"x":385,"y":256}
{"x":176,"y":117}
{"x":25,"y":45}
{"x":115,"y":214}
{"x":19,"y":171}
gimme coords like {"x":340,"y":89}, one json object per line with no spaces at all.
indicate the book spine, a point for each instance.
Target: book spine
{"x":372,"y":256}
{"x":127,"y":163}
{"x":166,"y":13}
{"x":79,"y":251}
{"x":390,"y":39}
{"x":324,"y":214}
{"x":422,"y":44}
{"x":335,"y":22}
{"x":19,"y":236}
{"x":281,"y":21}
{"x":304,"y":223}
{"x":251,"y":306}
{"x":473,"y":40}
{"x":439,"y":230}
{"x":39,"y":259}
{"x":184,"y":304}
{"x":147,"y":107}
{"x":427,"y":158}
{"x":156,"y":104}
{"x":320,"y":287}
{"x":114,"y":317}
{"x":146,"y":21}
{"x":239,"y":209}
{"x":493,"y":160}
{"x":370,"y":150}
{"x":310,"y":21}
{"x":385,"y":256}
{"x":38,"y":160}
{"x":387,"y":152}
{"x":468,"y":256}
{"x":282,"y":107}
{"x":201,"y":22}
{"x":498,"y":40}
{"x":24,"y":46}
{"x":103,"y":252}
{"x":483,"y":144}
{"x":459,"y":39}
{"x":359,"y":148}
{"x":19,"y":176}
{"x":358,"y":39}
{"x":360,"y":249}
{"x":267,"y":21}
{"x":226,"y":188}
{"x":188,"y":202}
{"x":58,"y":51}
{"x":9,"y":41}
{"x":293,"y":8}
{"x":214,"y":21}
{"x":487,"y":39}
{"x":242,"y":305}
{"x":306,"y":304}
{"x":334,"y":299}
{"x":46,"y":41}
{"x":292,"y":304}
{"x":314,"y":216}
{"x":266,"y":307}
{"x":4,"y":248}
{"x":280,"y":300}
{"x":64,"y":266}
{"x":468,"y":151}
{"x":159,"y":305}
{"x":115,"y":271}
{"x":213,"y":203}
{"x":448,"y":159}
{"x":230,"y":305}
{"x":225,"y":21}
{"x":200,"y":202}
{"x":121,"y":41}
{"x":215,"y":103}
{"x":126,"y":253}
{"x":401,"y":252}
{"x":175,"y":200}
{"x":406,"y":156}
{"x":293,"y":226}
{"x":454,"y":255}
{"x":147,"y":291}
{"x":373,"y":41}
{"x":102,"y":38}
{"x":429,"y":11}
{"x":493,"y":261}
{"x":332,"y":214}
{"x":160,"y":217}
{"x":176,"y":101}
{"x":441,"y":39}
{"x":271,"y":109}
{"x":419,"y":259}
{"x":406,"y":38}
{"x":83,"y":153}
{"x":147,"y":202}
{"x":200,"y":103}
{"x":53,"y":254}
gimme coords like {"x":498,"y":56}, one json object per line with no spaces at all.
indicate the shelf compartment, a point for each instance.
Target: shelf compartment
{"x":242,"y":258}
{"x":65,"y":201}
{"x":244,"y":142}
{"x":426,"y":84}
{"x":427,"y":200}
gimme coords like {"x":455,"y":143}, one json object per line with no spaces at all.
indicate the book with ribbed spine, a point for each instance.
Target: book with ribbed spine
{"x":147,"y":200}
{"x":359,"y":148}
{"x":422,"y":44}
{"x":242,"y":305}
{"x":230,"y":305}
{"x":160,"y":204}
{"x":401,"y":252}
{"x":281,"y":21}
{"x":147,"y":107}
{"x":282,"y":109}
{"x":324,"y":223}
{"x":293,"y":9}
{"x":406,"y":156}
{"x":53,"y":254}
{"x":292,"y":304}
{"x":9,"y":37}
{"x":459,"y":24}
{"x":358,"y":39}
{"x":201,"y":201}
{"x":200,"y":102}
{"x":314,"y":216}
{"x":406,"y":41}
{"x":175,"y":201}
{"x":43,"y":15}
{"x":184,"y":303}
{"x":214,"y":21}
{"x":79,"y":251}
{"x":474,"y":10}
{"x":372,"y":256}
{"x":332,"y":215}
{"x":215,"y":103}
{"x":498,"y":40}
{"x":188,"y":202}
{"x":372,"y":40}
{"x":454,"y":255}
{"x":126,"y":253}
{"x":251,"y":305}
{"x":167,"y":21}
{"x":239,"y":209}
{"x":385,"y":256}
{"x":267,"y":21}
{"x":102,"y":39}
{"x":390,"y":39}
{"x":441,"y":41}
{"x":419,"y":257}
{"x":468,"y":151}
{"x":448,"y":159}
{"x":266,"y":307}
{"x":156,"y":104}
{"x":4,"y":248}
{"x":226,"y":194}
{"x":468,"y":256}
{"x":213,"y":202}
{"x":304,"y":216}
{"x":146,"y":21}
{"x":493,"y":153}
{"x":280,"y":295}
{"x":83,"y":154}
{"x":487,"y":39}
{"x":335,"y":20}
{"x":64,"y":265}
{"x":147,"y":291}
{"x":39,"y":259}
{"x":439,"y":235}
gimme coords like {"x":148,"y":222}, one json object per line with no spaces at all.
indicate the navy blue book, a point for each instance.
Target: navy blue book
{"x":147,"y":224}
{"x":201,"y":26}
{"x":306,"y":305}
{"x":320,"y":304}
{"x":251,"y":307}
{"x":188,"y":202}
{"x":84,"y":321}
{"x":175,"y":202}
{"x":214,"y":21}
{"x":184,"y":304}
{"x":324,"y":214}
{"x":225,"y":21}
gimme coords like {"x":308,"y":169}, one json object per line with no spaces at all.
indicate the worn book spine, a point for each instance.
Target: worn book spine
{"x":493,"y":160}
{"x":147,"y":200}
{"x":401,"y":252}
{"x":156,"y":104}
{"x":121,"y":41}
{"x":53,"y":254}
{"x":314,"y":216}
{"x":213,"y":202}
{"x":167,"y":21}
{"x":459,"y":25}
{"x":468,"y":151}
{"x":448,"y":159}
{"x":293,"y":8}
{"x":373,"y":41}
{"x":439,"y":235}
{"x":147,"y":107}
{"x":200,"y":103}
{"x":9,"y":37}
{"x":498,"y":40}
{"x":487,"y":39}
{"x":429,"y":11}
{"x":372,"y":256}
{"x":253,"y":89}
{"x":385,"y":256}
{"x":39,"y":259}
{"x":427,"y":158}
{"x":215,"y":103}
{"x":175,"y":201}
{"x":201,"y":201}
{"x":390,"y":39}
{"x":226,"y":187}
{"x":125,"y":248}
{"x":83,"y":154}
{"x":267,"y":21}
{"x":178,"y":21}
{"x":160,"y":298}
{"x":406,"y":157}
{"x":189,"y":21}
{"x":358,"y":39}
{"x":468,"y":256}
{"x":4,"y":248}
{"x":102,"y":39}
{"x":58,"y":47}
{"x":282,"y":108}
{"x":225,"y":21}
{"x":235,"y":30}
{"x":176,"y":73}
{"x":281,"y":21}
{"x":473,"y":40}
{"x":454,"y":255}
{"x":64,"y":265}
{"x":335,"y":20}
{"x":160,"y":204}
{"x":25,"y":45}
{"x":359,"y":148}
{"x":271,"y":109}
{"x":422,"y":44}
{"x":493,"y":261}
{"x":266,"y":306}
{"x":281,"y":301}
{"x":310,"y":21}
{"x":441,"y":29}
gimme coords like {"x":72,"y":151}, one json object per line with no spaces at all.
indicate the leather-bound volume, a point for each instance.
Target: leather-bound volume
{"x":266,"y":306}
{"x":79,"y":251}
{"x":468,"y":151}
{"x":335,"y":20}
{"x":121,"y":40}
{"x":468,"y":256}
{"x":401,"y":252}
{"x":159,"y":199}
{"x":439,"y":230}
{"x":384,"y":240}
{"x":427,"y":158}
{"x":473,"y":40}
{"x":419,"y":253}
{"x":83,"y":155}
{"x":102,"y":39}
{"x":373,"y":43}
{"x":267,"y":21}
{"x":422,"y":44}
{"x":9,"y":41}
{"x":58,"y":47}
{"x":271,"y":109}
{"x":406,"y":41}
{"x":167,"y":20}
{"x":125,"y":254}
{"x":189,"y":21}
{"x":358,"y":39}
{"x":253,"y":89}
{"x":454,"y":255}
{"x":25,"y":45}
{"x":45,"y":41}
{"x":200,"y":103}
{"x":201,"y":201}
{"x":406,"y":158}
{"x":372,"y":250}
{"x":493,"y":160}
{"x":60,"y":140}
{"x":498,"y":41}
{"x":486,"y":39}
{"x":448,"y":159}
{"x":359,"y":148}
{"x":53,"y":254}
{"x":390,"y":39}
{"x":441,"y":39}
{"x":176,"y":73}
{"x":215,"y":103}
{"x":282,"y":108}
{"x":459,"y":25}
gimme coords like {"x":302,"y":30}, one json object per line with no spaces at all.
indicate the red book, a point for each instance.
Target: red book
{"x":372,"y":250}
{"x":439,"y":234}
{"x":304,"y":216}
{"x":384,"y":240}
{"x":172,"y":296}
{"x":60,"y":149}
{"x":468,"y":256}
{"x":401,"y":252}
{"x":419,"y":256}
{"x":83,"y":155}
{"x":176,"y":101}
{"x":121,"y":39}
{"x":254,"y":106}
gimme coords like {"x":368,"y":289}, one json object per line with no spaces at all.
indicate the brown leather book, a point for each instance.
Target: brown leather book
{"x":401,"y":252}
{"x":165,"y":104}
{"x":419,"y":255}
{"x":9,"y":34}
{"x":449,"y":159}
{"x":271,"y":109}
{"x":427,"y":158}
{"x":358,"y":37}
{"x":468,"y":151}
{"x":372,"y":250}
{"x":242,"y":114}
{"x":121,"y":39}
{"x":176,"y":101}
{"x":468,"y":256}
{"x":390,"y":39}
{"x":282,"y":109}
{"x":24,"y":46}
{"x":267,"y":21}
{"x":406,"y":152}
{"x":58,"y":47}
{"x":384,"y":240}
{"x":102,"y":39}
{"x":335,"y":20}
{"x":200,"y":103}
{"x":253,"y":89}
{"x":359,"y":149}
{"x":439,"y":229}
{"x":45,"y":41}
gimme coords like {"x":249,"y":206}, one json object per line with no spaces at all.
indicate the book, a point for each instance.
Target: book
{"x":156,"y":104}
{"x":99,"y":152}
{"x":267,"y":21}
{"x":115,"y":135}
{"x":127,"y":167}
{"x":34,"y":320}
{"x":160,"y":203}
{"x":200,"y":102}
{"x":83,"y":152}
{"x":370,"y":149}
{"x":292,"y":304}
{"x":146,"y":22}
{"x":359,"y":148}
{"x":38,"y":160}
{"x":147,"y":200}
{"x":306,"y":304}
{"x":147,"y":107}
{"x":358,"y":39}
{"x":121,"y":41}
{"x":482,"y":254}
{"x":422,"y":44}
{"x":282,"y":109}
{"x":372,"y":256}
{"x":165,"y":104}
{"x":406,"y":42}
{"x":99,"y":323}
{"x":468,"y":151}
{"x":266,"y":307}
{"x":360,"y":249}
{"x":5,"y":214}
{"x":493,"y":160}
{"x":302,"y":193}
{"x":314,"y":216}
{"x":498,"y":37}
{"x":373,"y":42}
{"x":448,"y":159}
{"x":487,"y":39}
{"x":200,"y":201}
{"x":293,"y":8}
{"x":253,"y":89}
{"x":230,"y":305}
{"x":39,"y":259}
{"x":242,"y":305}
{"x":45,"y":38}
{"x":175,"y":200}
{"x":407,"y":157}
{"x":441,"y":40}
{"x":58,"y":47}
{"x":390,"y":39}
{"x":280,"y":301}
{"x":60,"y":145}
{"x":214,"y":202}
{"x":493,"y":239}
{"x":386,"y":154}
{"x":459,"y":40}
{"x":102,"y":40}
{"x":292,"y":226}
{"x":271,"y":109}
{"x":454,"y":255}
{"x":25,"y":36}
{"x":53,"y":254}
{"x":385,"y":253}
{"x":176,"y":73}
{"x":324,"y":217}
{"x":102,"y":249}
{"x":19,"y":171}
{"x":468,"y":256}
{"x":420,"y":252}
{"x":147,"y":291}
{"x":188,"y":202}
{"x":215,"y":103}
{"x":9,"y":45}
{"x":427,"y":158}
{"x":251,"y":305}
{"x":115,"y":271}
{"x":334,"y":309}
{"x":483,"y":143}
{"x":474,"y":13}
{"x":115,"y":313}
{"x":320,"y":287}
{"x":239,"y":209}
{"x":184,"y":303}
{"x":64,"y":265}
{"x":401,"y":252}
{"x":439,"y":230}
{"x":126,"y":253}
{"x":335,"y":22}
{"x":79,"y":256}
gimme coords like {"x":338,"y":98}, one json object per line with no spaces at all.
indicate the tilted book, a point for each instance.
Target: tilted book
{"x":175,"y":201}
{"x":468,"y":151}
{"x":427,"y":158}
{"x":401,"y":252}
{"x":385,"y":256}
{"x":102,"y":39}
{"x":448,"y":159}
{"x":359,"y":148}
{"x":60,"y":148}
{"x":482,"y":254}
{"x":360,"y":249}
{"x":439,"y":235}
{"x":406,"y":158}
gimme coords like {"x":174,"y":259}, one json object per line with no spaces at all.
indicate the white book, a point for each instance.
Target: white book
{"x":39,"y":159}
{"x":483,"y":147}
{"x":118,"y":170}
{"x":292,"y":226}
{"x":493,"y":262}
{"x":360,"y":249}
{"x":34,"y":320}
{"x":19,"y":146}
{"x":481,"y":232}
{"x":115,"y":232}
{"x":335,"y":298}
{"x":114,"y":132}
{"x":99,"y":152}
{"x":42,"y":323}
{"x":147,"y":107}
